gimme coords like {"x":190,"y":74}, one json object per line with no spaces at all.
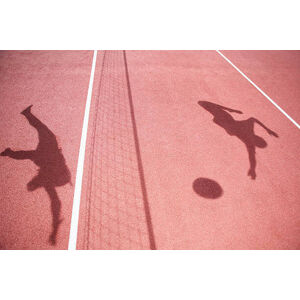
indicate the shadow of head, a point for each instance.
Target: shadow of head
{"x":207,"y":188}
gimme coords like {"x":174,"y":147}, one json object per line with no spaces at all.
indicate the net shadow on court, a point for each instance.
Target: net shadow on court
{"x":117,"y":214}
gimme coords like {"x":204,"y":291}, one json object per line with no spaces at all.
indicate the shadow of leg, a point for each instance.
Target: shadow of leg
{"x":55,"y":208}
{"x":252,"y":160}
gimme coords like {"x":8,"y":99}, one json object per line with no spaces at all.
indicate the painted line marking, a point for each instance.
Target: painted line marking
{"x":80,"y":165}
{"x":261,"y":91}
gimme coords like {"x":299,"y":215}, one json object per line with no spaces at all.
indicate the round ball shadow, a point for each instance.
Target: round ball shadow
{"x":207,"y":188}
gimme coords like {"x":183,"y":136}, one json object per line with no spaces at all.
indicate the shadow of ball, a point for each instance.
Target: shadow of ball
{"x":207,"y":188}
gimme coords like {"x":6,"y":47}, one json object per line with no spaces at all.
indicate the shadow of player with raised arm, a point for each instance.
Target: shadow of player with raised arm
{"x":244,"y":130}
{"x":53,"y":170}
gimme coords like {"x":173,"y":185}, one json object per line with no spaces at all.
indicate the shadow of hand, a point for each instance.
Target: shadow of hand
{"x":6,"y":152}
{"x":270,"y":132}
{"x":236,"y":111}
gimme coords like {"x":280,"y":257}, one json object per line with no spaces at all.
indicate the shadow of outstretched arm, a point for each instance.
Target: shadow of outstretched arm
{"x":213,"y":107}
{"x":269,"y":131}
{"x":229,"y":109}
{"x":18,"y":154}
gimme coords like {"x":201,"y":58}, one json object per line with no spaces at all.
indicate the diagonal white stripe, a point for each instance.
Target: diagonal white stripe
{"x":80,"y":165}
{"x":260,"y":90}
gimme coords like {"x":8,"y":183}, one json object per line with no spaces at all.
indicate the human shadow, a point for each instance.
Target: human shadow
{"x":53,"y":170}
{"x":244,"y":130}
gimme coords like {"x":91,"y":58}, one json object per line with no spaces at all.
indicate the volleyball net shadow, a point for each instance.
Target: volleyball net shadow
{"x":117,"y":214}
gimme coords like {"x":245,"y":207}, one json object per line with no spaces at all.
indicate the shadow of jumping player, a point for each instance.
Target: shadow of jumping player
{"x":53,"y":170}
{"x":244,"y":130}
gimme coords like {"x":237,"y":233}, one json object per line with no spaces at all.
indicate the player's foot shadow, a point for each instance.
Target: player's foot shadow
{"x":53,"y":170}
{"x":244,"y":130}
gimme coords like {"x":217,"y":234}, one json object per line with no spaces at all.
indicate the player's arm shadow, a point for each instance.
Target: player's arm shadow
{"x":53,"y":170}
{"x":243,"y":130}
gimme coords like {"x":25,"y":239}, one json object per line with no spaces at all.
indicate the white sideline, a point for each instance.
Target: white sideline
{"x":80,"y":165}
{"x":262,"y":92}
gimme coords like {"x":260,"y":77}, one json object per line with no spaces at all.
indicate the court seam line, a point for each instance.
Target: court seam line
{"x":260,"y":90}
{"x":80,"y":164}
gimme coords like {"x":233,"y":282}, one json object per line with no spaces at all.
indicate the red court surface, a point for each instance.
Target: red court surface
{"x":182,"y":151}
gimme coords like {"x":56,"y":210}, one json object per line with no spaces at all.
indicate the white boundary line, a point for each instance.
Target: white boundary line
{"x":262,"y":92}
{"x":80,"y":165}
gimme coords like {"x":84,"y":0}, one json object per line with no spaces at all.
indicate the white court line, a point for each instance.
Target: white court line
{"x":80,"y":165}
{"x":272,"y":101}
